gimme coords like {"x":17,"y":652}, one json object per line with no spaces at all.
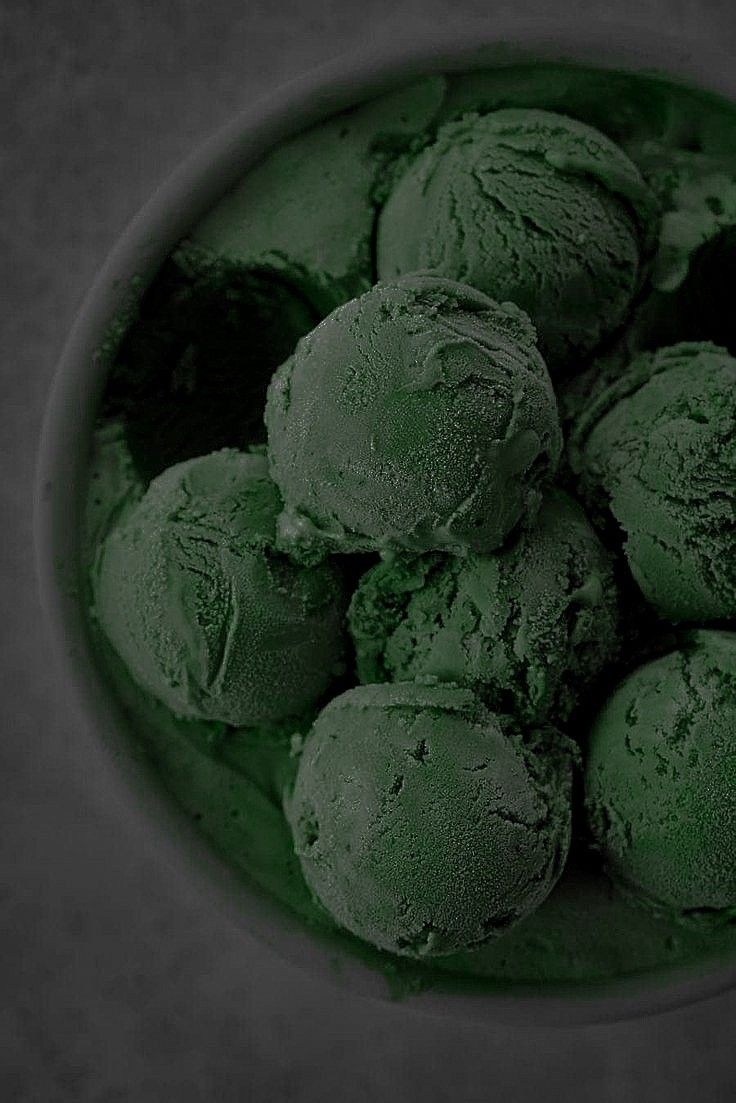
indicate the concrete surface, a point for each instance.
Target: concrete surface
{"x":118,"y":982}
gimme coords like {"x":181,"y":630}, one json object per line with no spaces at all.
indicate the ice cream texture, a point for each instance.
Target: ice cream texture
{"x":207,"y":616}
{"x":658,"y":446}
{"x":529,"y":628}
{"x":585,"y":931}
{"x":697,"y":192}
{"x":418,"y":416}
{"x":660,"y":779}
{"x":306,"y":211}
{"x":529,"y":206}
{"x":424,"y":823}
{"x":293,"y":241}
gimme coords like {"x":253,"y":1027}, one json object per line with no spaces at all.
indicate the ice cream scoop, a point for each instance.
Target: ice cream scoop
{"x":529,"y":628}
{"x":424,"y":823}
{"x":529,"y":206}
{"x":306,"y":211}
{"x":418,"y":416}
{"x":660,"y":778}
{"x":658,"y":448}
{"x":206,"y":615}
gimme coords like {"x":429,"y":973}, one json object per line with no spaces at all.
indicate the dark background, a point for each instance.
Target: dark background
{"x":118,"y":980}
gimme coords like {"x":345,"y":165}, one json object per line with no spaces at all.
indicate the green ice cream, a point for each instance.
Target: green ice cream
{"x":425,"y":824}
{"x":190,"y":366}
{"x":660,"y":778}
{"x":583,"y":932}
{"x":689,"y":294}
{"x":206,"y":615}
{"x":418,"y":416}
{"x":307,"y":210}
{"x":658,"y":446}
{"x":529,"y":628}
{"x":697,"y":193}
{"x":528,"y":206}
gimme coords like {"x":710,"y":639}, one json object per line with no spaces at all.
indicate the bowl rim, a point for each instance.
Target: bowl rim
{"x":66,"y":437}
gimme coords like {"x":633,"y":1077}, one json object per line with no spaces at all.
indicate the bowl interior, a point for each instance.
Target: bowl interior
{"x":114,"y":711}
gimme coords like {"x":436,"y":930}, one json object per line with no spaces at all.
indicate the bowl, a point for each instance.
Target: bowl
{"x":105,"y":736}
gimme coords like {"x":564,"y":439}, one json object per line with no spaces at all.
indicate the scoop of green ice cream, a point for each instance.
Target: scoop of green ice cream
{"x":528,"y":628}
{"x":425,"y":824}
{"x":417,"y":416}
{"x":306,"y":211}
{"x":205,"y":614}
{"x":658,"y":446}
{"x":529,"y":206}
{"x":660,"y":778}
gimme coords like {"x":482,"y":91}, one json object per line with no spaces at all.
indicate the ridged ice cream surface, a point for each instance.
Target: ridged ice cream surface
{"x":661,"y":779}
{"x":207,"y":616}
{"x":529,"y":627}
{"x":424,"y":823}
{"x":658,"y":449}
{"x":529,"y":206}
{"x":417,"y":416}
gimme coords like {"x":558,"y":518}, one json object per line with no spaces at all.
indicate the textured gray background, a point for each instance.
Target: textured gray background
{"x":118,"y":982}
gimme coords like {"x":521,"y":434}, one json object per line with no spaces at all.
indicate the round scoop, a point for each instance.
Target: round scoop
{"x":660,"y":778}
{"x":659,"y":448}
{"x":418,"y":416}
{"x":528,"y":628}
{"x":424,"y":823}
{"x":205,"y":614}
{"x":529,"y":206}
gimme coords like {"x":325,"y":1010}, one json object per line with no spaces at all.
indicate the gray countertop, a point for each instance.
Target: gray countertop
{"x":119,"y":981}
